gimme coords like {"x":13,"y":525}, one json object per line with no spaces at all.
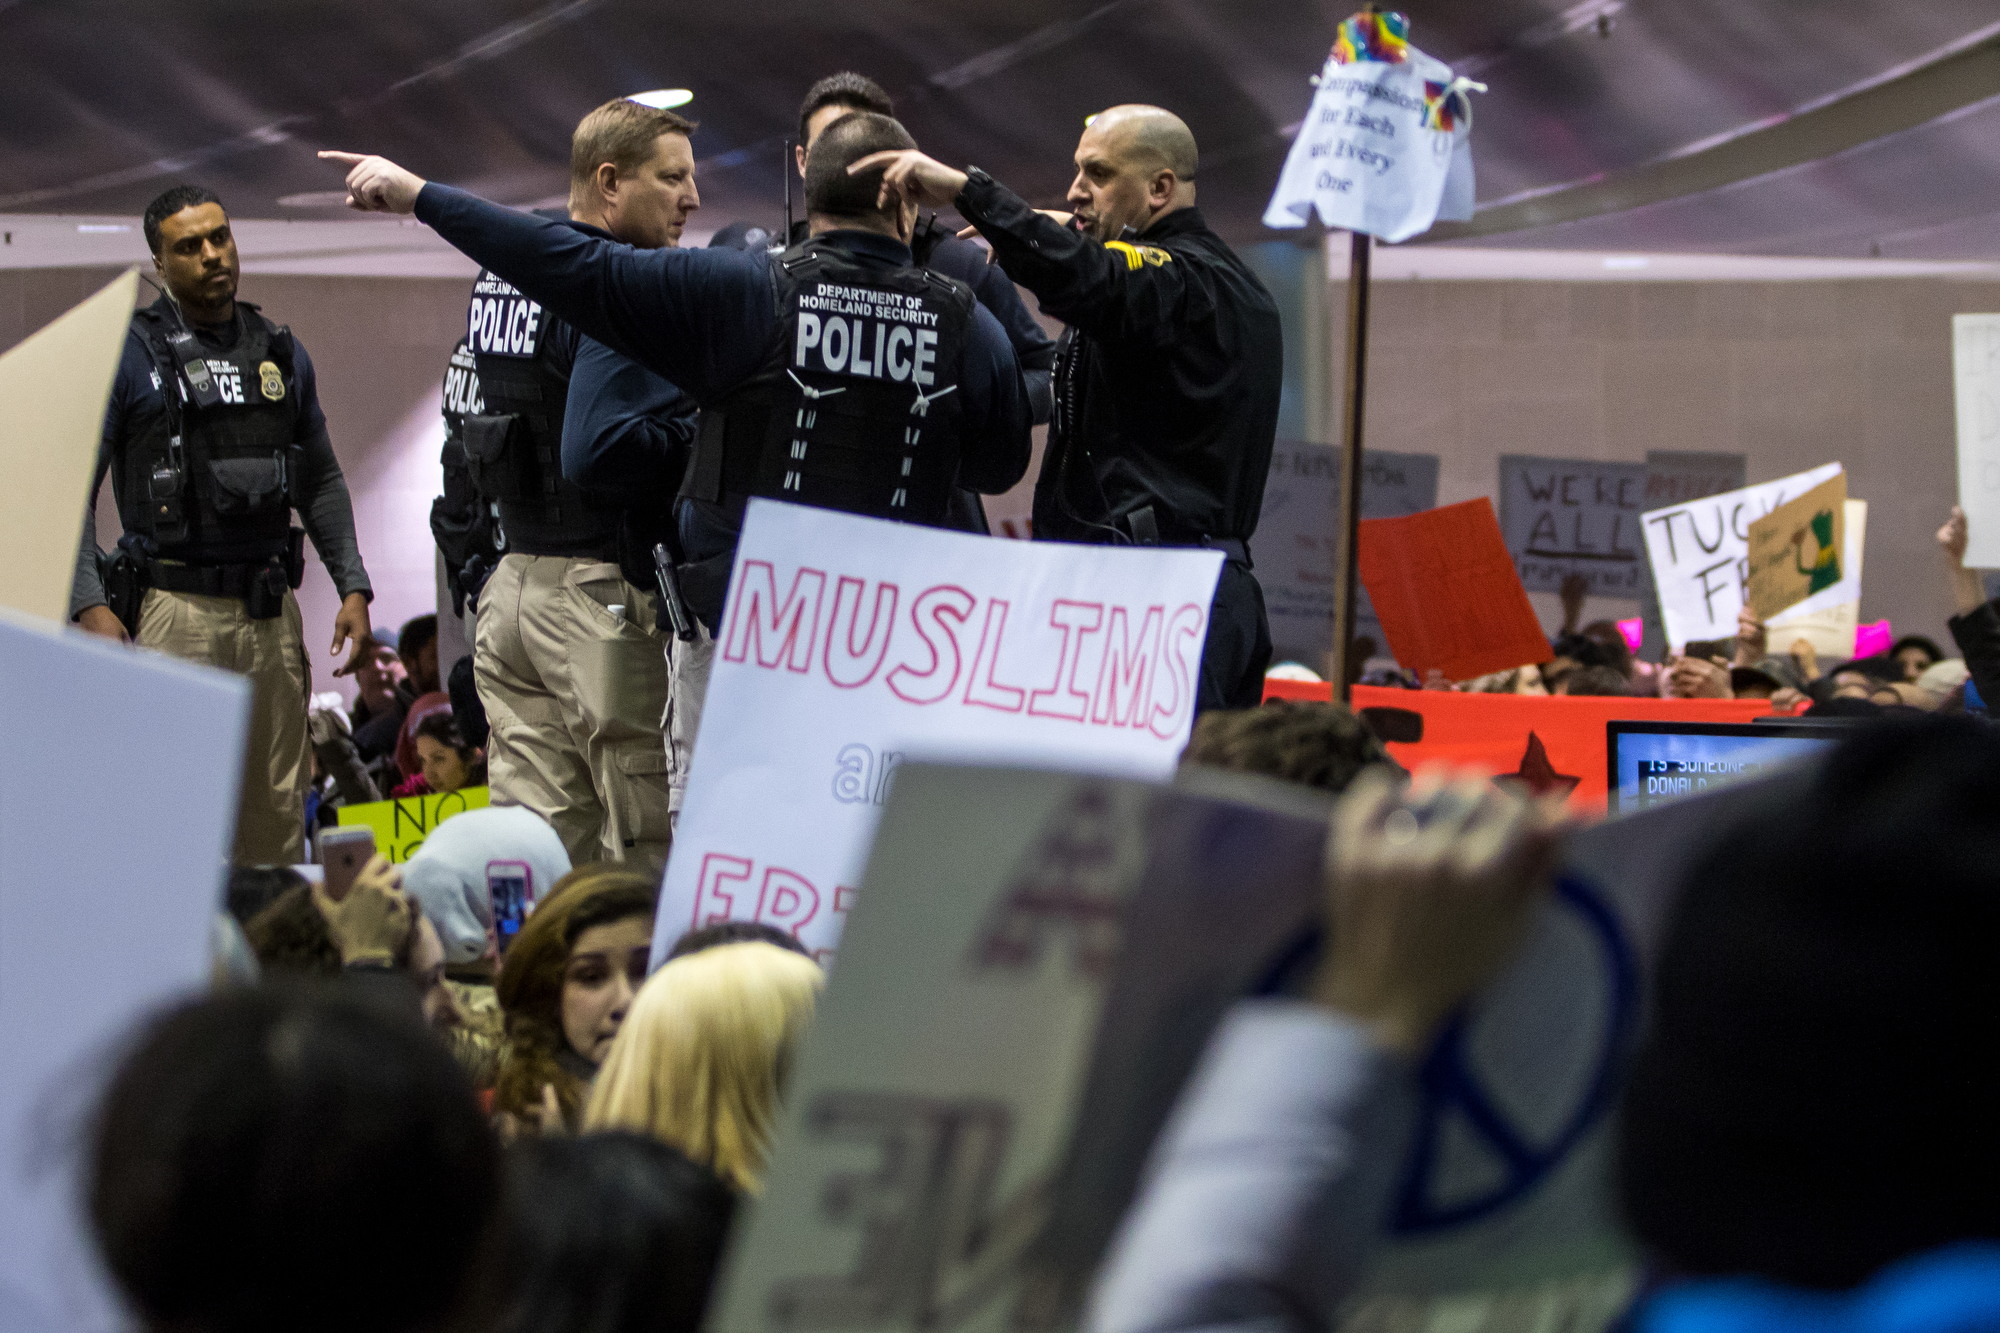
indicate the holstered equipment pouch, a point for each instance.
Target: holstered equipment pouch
{"x":501,"y":462}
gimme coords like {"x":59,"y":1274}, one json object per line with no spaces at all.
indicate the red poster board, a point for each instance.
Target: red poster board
{"x":1501,"y":733}
{"x":1447,"y":593}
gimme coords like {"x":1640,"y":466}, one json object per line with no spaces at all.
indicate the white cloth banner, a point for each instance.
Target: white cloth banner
{"x":1975,"y":364}
{"x":1700,"y":556}
{"x":851,"y":644}
{"x":1365,"y":158}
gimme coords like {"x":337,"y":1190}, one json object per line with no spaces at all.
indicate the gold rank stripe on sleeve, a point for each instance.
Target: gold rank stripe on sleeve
{"x":1138,"y":255}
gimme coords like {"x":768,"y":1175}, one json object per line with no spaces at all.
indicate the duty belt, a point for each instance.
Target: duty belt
{"x":209,"y":580}
{"x":1146,"y":532}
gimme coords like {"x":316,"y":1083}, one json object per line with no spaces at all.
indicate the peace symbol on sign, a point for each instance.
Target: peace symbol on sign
{"x":1449,"y":1085}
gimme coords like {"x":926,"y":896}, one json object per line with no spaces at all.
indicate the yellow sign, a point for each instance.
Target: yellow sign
{"x":401,"y":826}
{"x":1795,"y":549}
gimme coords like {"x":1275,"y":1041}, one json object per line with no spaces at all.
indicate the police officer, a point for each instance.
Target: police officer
{"x":724,"y":324}
{"x":214,"y":435}
{"x":1167,"y":377}
{"x":566,"y":653}
{"x":937,"y":249}
{"x":463,"y":524}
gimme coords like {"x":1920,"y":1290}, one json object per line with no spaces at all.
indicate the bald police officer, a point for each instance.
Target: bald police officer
{"x":214,"y":435}
{"x":1167,"y":377}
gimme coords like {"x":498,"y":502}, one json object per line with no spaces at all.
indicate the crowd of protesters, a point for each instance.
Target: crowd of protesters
{"x":399,"y":1109}
{"x":1596,"y":659}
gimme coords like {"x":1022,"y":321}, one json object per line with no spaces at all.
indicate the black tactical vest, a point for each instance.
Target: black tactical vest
{"x":211,"y":473}
{"x":513,"y":447}
{"x":462,"y":521}
{"x":856,"y":404}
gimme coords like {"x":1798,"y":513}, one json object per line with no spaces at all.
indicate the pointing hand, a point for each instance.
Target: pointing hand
{"x":377,"y":185}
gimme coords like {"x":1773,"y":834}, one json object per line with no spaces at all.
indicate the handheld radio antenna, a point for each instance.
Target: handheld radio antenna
{"x":785,"y":240}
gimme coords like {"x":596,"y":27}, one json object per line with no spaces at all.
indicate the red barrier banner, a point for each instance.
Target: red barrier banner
{"x":1552,"y":743}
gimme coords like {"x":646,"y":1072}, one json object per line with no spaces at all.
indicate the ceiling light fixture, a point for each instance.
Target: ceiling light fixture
{"x":90,"y":228}
{"x":663,"y":98}
{"x":1627,"y":261}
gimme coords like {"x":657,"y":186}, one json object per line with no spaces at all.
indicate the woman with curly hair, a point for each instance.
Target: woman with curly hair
{"x":699,"y":1063}
{"x":564,"y":987}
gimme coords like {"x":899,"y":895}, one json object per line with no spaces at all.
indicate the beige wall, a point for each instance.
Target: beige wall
{"x":1790,"y":374}
{"x":379,"y":346}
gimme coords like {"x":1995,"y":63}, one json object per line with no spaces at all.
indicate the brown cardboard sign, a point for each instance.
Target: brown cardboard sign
{"x":1796,"y":549}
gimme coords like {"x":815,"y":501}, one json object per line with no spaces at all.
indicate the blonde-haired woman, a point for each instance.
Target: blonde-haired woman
{"x":701,"y":1055}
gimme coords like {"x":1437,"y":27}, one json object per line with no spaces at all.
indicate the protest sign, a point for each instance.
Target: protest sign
{"x":1011,"y":1025}
{"x":1565,"y":516}
{"x":1447,"y":594}
{"x":53,"y":388}
{"x":851,"y":644}
{"x":1386,"y":147}
{"x":110,"y":879}
{"x":1293,"y":547}
{"x":1699,"y":552}
{"x":1673,"y":478}
{"x":402,"y":825}
{"x":1975,"y":364}
{"x":1550,"y":743}
{"x":1795,"y":549}
{"x":1827,"y":620}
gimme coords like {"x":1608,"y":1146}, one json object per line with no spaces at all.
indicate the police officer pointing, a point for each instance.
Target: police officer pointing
{"x":566,"y":651}
{"x":213,"y":437}
{"x":1167,"y":378}
{"x":810,"y":391}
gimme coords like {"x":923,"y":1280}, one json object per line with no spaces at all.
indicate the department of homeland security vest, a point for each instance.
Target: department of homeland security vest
{"x":211,"y":474}
{"x":514,"y":446}
{"x":856,"y":404}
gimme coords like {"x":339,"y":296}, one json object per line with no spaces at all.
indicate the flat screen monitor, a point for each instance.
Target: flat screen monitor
{"x":1651,"y":762}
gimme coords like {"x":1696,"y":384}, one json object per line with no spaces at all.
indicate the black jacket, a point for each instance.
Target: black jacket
{"x":1977,"y":634}
{"x":1166,"y":382}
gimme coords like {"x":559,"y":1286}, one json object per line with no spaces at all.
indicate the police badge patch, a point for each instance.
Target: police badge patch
{"x":270,"y":380}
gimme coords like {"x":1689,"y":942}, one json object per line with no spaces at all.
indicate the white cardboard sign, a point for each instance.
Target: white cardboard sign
{"x":113,"y":841}
{"x":1699,"y":553}
{"x":850,"y":644}
{"x":1975,"y":363}
{"x":1367,"y":160}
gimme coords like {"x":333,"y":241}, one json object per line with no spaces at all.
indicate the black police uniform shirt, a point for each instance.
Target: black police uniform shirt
{"x":704,"y":319}
{"x":1167,"y":380}
{"x":328,"y":514}
{"x":627,"y":431}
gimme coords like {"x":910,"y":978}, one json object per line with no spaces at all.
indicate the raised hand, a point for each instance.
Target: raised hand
{"x":911,"y":178}
{"x":1427,"y":895}
{"x":377,"y":185}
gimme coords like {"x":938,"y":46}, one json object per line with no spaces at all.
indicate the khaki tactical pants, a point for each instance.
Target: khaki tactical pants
{"x":271,"y":810}
{"x":574,"y":696}
{"x":688,"y":664}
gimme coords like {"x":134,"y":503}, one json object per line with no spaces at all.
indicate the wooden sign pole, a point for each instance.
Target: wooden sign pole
{"x":1347,"y":515}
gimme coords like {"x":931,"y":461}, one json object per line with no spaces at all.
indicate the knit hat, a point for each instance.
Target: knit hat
{"x":1806,"y":1106}
{"x":447,"y":876}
